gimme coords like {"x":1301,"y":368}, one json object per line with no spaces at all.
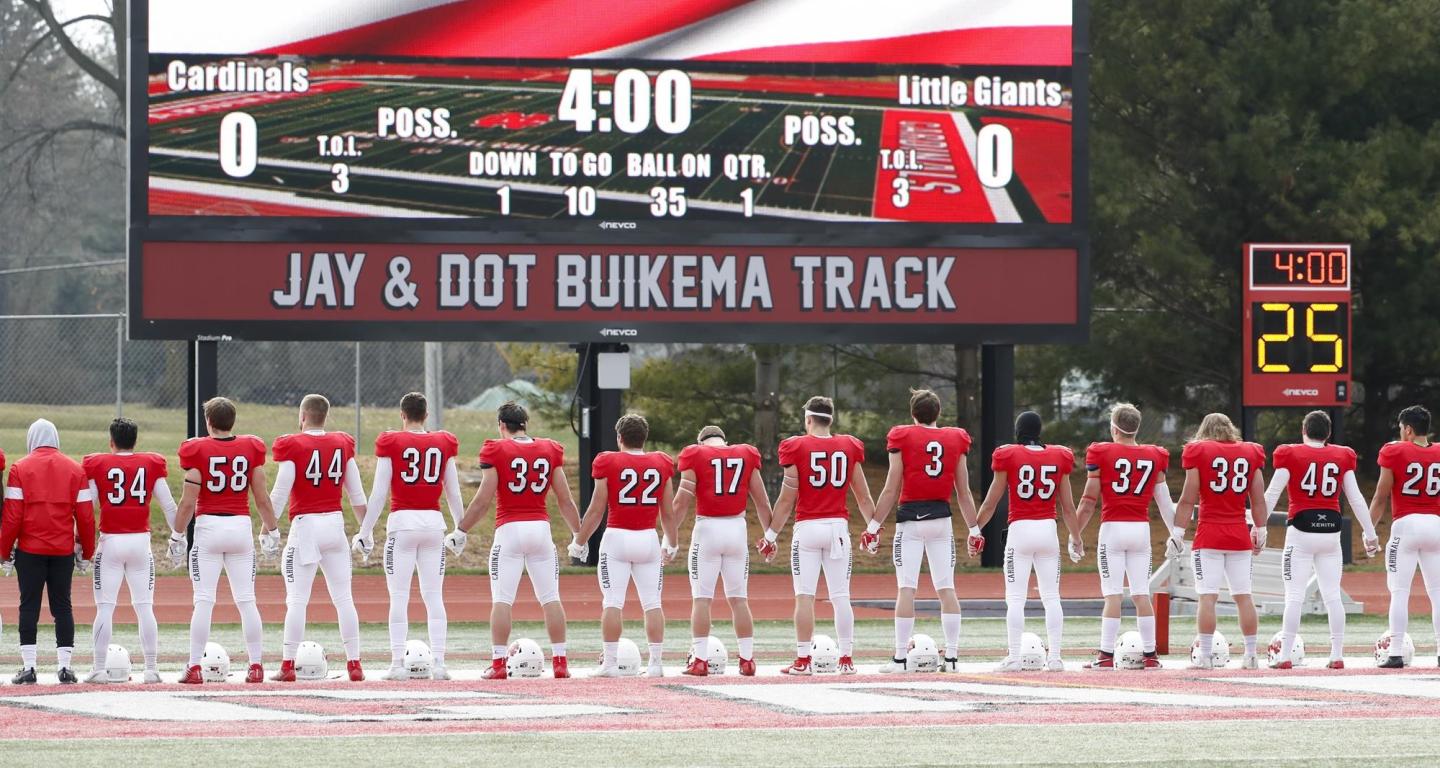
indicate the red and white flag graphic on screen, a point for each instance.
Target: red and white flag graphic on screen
{"x":975,"y":32}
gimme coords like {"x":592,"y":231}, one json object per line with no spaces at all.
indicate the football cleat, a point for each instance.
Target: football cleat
{"x":1152,"y":661}
{"x":97,"y":677}
{"x":256,"y":674}
{"x":1055,"y":665}
{"x":800,"y":667}
{"x":1250,"y":661}
{"x":396,"y":672}
{"x":67,"y":676}
{"x":496,"y":670}
{"x":152,"y":677}
{"x":895,"y":665}
{"x":1201,"y":663}
{"x":352,"y":667}
{"x":560,"y":667}
{"x":609,"y":670}
{"x":1009,"y":664}
{"x":24,"y":677}
{"x":950,"y":664}
{"x":655,"y":670}
{"x":697,"y":668}
{"x":1282,"y":665}
{"x":439,"y":672}
{"x":286,"y":673}
{"x":192,"y":676}
{"x":1336,"y":664}
{"x":747,"y":667}
{"x":1102,"y":660}
{"x":846,"y":666}
{"x":1394,"y":662}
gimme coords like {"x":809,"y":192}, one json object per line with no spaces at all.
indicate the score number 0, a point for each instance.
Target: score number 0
{"x":239,"y":151}
{"x":1280,"y":338}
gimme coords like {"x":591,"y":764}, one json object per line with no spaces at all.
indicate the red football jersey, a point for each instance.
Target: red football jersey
{"x":417,"y":463}
{"x":1033,"y":476}
{"x":524,"y":468}
{"x":1417,"y":478}
{"x":320,"y":461}
{"x":722,"y":477}
{"x":1225,"y":473}
{"x":125,"y":482}
{"x":1128,"y":476}
{"x":225,"y":464}
{"x":1317,"y":475}
{"x":930,"y":456}
{"x":824,"y":467}
{"x":635,"y":483}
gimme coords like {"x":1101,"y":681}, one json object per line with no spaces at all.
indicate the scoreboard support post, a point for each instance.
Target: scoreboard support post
{"x":997,"y":427}
{"x":203,"y":382}
{"x":598,"y":410}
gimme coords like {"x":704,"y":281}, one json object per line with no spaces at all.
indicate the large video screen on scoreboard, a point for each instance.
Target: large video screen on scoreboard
{"x":662,"y":125}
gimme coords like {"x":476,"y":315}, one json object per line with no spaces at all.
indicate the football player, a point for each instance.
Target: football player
{"x":314,"y":466}
{"x":718,"y":477}
{"x":927,"y":467}
{"x":518,"y":472}
{"x":1222,"y":472}
{"x":1037,"y":478}
{"x":1315,"y":472}
{"x":123,"y":484}
{"x":1410,"y":481}
{"x":223,"y":474}
{"x":635,"y":487}
{"x":820,"y":468}
{"x":414,"y":467}
{"x":1123,"y":476}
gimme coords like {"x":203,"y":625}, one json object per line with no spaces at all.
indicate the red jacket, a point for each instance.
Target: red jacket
{"x":47,"y":501}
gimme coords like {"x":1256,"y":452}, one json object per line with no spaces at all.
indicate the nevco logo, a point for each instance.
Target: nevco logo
{"x":618,"y":225}
{"x":1294,"y":392}
{"x":619,"y":332}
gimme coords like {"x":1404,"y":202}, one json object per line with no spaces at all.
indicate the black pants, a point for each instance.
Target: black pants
{"x":38,"y":574}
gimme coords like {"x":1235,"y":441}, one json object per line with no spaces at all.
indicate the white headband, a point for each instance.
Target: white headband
{"x":829,"y":416}
{"x":1117,"y":428}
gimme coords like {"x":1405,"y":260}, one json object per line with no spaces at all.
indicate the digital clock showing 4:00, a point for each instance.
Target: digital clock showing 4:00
{"x":1290,"y":266}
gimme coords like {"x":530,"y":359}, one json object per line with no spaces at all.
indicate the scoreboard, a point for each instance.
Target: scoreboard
{"x":576,"y":170}
{"x":1297,"y":325}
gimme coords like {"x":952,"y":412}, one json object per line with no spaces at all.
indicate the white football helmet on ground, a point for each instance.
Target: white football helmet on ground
{"x":1277,"y":644}
{"x":1219,"y":651}
{"x":627,"y":657}
{"x":419,"y":662}
{"x":1384,"y":648}
{"x":524,"y":659}
{"x":117,"y":664}
{"x":716,"y":657}
{"x":1130,"y":651}
{"x":824,"y":655}
{"x":1032,"y":652}
{"x":310,"y":661}
{"x":923,"y":656}
{"x":215,"y":664}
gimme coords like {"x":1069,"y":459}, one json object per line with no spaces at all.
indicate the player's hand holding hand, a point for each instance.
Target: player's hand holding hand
{"x":1372,"y":545}
{"x":766,"y":545}
{"x":175,"y":550}
{"x":82,"y":567}
{"x":870,"y":539}
{"x":1077,"y":550}
{"x":1257,"y":538}
{"x":7,"y":567}
{"x":363,"y":544}
{"x":455,"y":542}
{"x":578,"y":551}
{"x":270,"y":543}
{"x":975,"y":542}
{"x":668,"y":551}
{"x":1175,"y":546}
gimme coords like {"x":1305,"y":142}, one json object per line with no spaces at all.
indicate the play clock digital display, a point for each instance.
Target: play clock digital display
{"x":1297,"y":325}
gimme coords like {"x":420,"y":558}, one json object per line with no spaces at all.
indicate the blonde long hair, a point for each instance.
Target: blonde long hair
{"x":1217,"y":427}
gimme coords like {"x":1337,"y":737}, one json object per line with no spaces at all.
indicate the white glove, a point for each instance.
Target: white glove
{"x":1257,"y":537}
{"x":363,"y":544}
{"x":175,"y":550}
{"x":7,"y":567}
{"x":578,"y":551}
{"x":270,"y":543}
{"x":668,"y":550}
{"x":1175,"y":546}
{"x":455,"y":542}
{"x":1077,"y":550}
{"x":1372,"y":545}
{"x":82,"y":567}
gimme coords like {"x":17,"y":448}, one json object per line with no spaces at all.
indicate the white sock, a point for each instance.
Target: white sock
{"x":1014,"y":624}
{"x":149,"y":634}
{"x":1335,"y":612}
{"x":747,"y":647}
{"x":1109,"y":630}
{"x":1207,"y":645}
{"x":200,"y":630}
{"x":499,"y":652}
{"x":1147,"y":632}
{"x":950,"y":623}
{"x":844,"y":623}
{"x":100,"y":634}
{"x":253,"y":630}
{"x":697,"y":647}
{"x":27,"y":656}
{"x":612,"y":654}
{"x":1054,"y":624}
{"x":1251,"y":643}
{"x":904,"y":626}
{"x":802,"y":650}
{"x":62,"y":657}
{"x":557,"y":649}
{"x":1289,"y":626}
{"x":655,"y":650}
